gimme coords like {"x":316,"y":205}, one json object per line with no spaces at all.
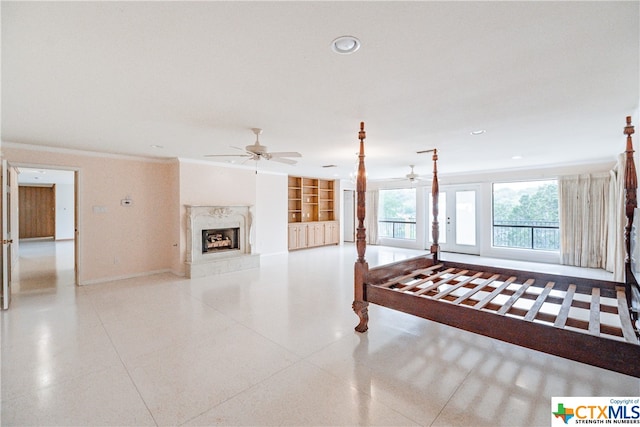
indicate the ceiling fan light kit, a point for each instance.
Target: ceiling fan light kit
{"x":412,"y":176}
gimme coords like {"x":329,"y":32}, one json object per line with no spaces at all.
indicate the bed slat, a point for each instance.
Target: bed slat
{"x":476,"y":289}
{"x":594,"y":312}
{"x":425,"y":280}
{"x":625,"y":319}
{"x":507,"y":306}
{"x":441,"y":282}
{"x":495,"y":293}
{"x":533,"y":311}
{"x":457,"y":286}
{"x":407,"y":276}
{"x":561,"y":320}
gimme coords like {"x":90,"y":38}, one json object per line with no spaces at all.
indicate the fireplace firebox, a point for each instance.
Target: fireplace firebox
{"x":220,"y":239}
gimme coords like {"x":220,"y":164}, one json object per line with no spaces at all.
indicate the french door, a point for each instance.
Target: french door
{"x":458,"y":209}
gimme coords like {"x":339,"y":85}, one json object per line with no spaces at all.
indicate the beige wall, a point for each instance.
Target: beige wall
{"x":117,"y":241}
{"x":150,"y":236}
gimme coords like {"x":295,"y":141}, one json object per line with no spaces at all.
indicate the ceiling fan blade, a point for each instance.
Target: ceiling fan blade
{"x":247,"y":152}
{"x":285,"y":154}
{"x":227,"y":155}
{"x":283,"y":160}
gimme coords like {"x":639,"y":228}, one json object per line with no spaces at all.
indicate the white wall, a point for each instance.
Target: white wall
{"x":271,"y":214}
{"x":65,"y":211}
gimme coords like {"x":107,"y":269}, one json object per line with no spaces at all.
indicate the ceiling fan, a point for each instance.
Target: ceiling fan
{"x":257,"y":151}
{"x":411,"y":176}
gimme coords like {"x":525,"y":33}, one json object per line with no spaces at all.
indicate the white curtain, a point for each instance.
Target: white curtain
{"x":371,"y":216}
{"x":584,"y":219}
{"x":617,"y":220}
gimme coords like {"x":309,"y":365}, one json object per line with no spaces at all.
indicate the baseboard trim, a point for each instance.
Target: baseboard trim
{"x":124,"y":277}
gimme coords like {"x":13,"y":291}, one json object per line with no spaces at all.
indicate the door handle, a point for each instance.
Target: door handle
{"x":5,"y":242}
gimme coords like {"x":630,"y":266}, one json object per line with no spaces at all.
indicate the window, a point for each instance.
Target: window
{"x":397,"y":213}
{"x":525,"y":215}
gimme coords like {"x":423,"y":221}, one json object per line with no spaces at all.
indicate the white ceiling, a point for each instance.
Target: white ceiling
{"x":549,"y":81}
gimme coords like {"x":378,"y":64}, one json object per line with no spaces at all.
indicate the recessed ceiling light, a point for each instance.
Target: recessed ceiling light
{"x":156,"y":146}
{"x":516,"y":157}
{"x":345,"y":45}
{"x":478,"y":132}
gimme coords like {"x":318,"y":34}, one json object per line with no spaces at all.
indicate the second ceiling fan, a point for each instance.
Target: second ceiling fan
{"x":411,"y":176}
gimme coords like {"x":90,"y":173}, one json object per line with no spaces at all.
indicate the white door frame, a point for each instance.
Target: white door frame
{"x":7,"y":239}
{"x":77,"y":176}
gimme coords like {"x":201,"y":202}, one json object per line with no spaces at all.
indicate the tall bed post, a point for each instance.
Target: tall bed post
{"x":630,"y":187}
{"x":435,"y":197}
{"x":360,"y":306}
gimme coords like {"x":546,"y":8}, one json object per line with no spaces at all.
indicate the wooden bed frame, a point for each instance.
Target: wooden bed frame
{"x":591,"y":321}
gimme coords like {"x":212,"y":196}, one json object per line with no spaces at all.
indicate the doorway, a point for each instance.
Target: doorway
{"x":458,"y":219}
{"x":47,"y":249}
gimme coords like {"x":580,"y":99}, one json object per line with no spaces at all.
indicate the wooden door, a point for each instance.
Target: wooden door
{"x":37,"y":211}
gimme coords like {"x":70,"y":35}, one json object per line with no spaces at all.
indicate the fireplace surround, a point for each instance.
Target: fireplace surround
{"x":219,"y":240}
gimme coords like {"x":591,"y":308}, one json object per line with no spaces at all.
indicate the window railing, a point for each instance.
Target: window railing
{"x":397,"y":229}
{"x":539,"y":235}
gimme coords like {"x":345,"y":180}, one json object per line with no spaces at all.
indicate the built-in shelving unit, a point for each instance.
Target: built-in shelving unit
{"x":295,"y":199}
{"x":311,"y":215}
{"x":325,"y":200}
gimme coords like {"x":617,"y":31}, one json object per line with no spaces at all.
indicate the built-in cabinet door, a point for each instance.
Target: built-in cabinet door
{"x":331,"y":233}
{"x":303,"y":239}
{"x":318,"y":234}
{"x":297,"y":236}
{"x":308,"y":235}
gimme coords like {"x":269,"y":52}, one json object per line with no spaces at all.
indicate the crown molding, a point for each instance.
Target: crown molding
{"x":86,"y":153}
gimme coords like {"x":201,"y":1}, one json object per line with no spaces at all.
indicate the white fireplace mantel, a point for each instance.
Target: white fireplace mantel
{"x":200,"y":218}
